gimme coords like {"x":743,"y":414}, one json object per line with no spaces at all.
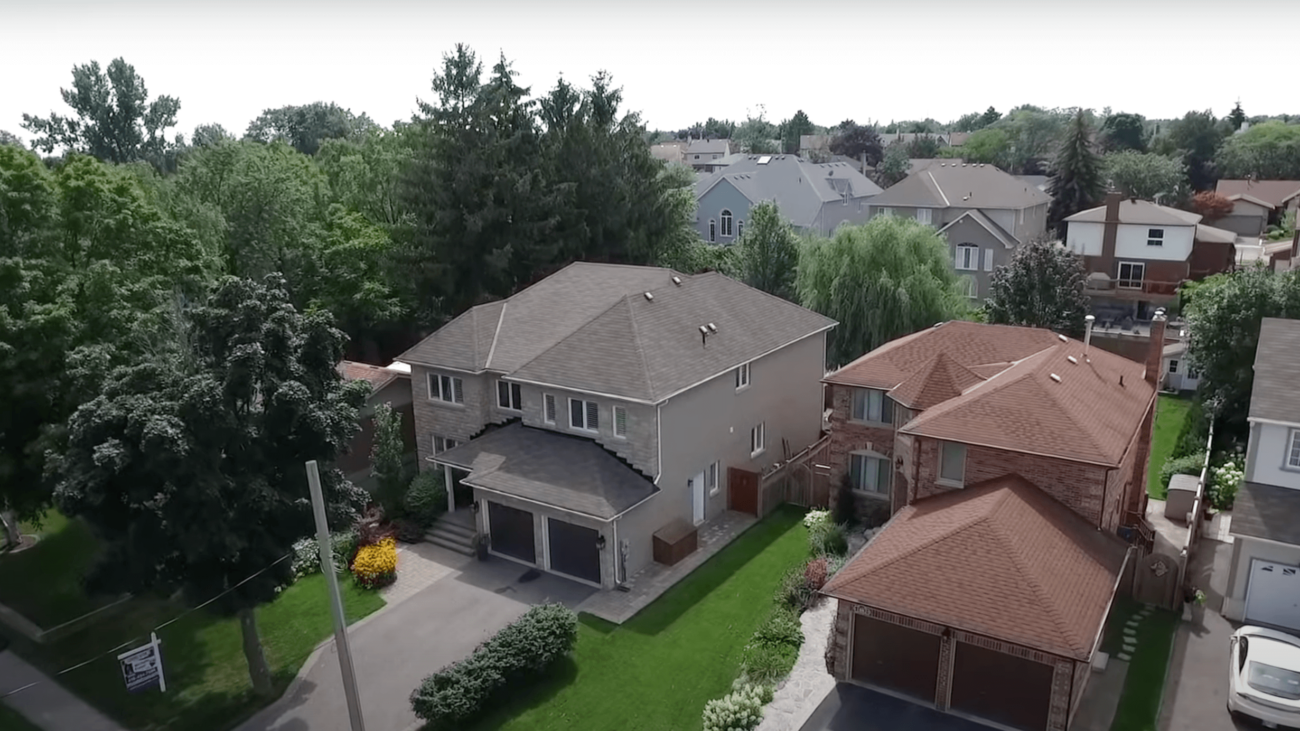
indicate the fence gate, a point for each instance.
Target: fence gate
{"x":1155,"y":581}
{"x":742,"y":488}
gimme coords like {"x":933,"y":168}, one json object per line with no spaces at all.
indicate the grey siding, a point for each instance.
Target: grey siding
{"x":1033,"y":225}
{"x":458,"y":421}
{"x":969,"y":232}
{"x":721,"y":196}
{"x":834,"y":213}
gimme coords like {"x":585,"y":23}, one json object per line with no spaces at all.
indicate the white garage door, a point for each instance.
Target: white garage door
{"x":1273,"y":594}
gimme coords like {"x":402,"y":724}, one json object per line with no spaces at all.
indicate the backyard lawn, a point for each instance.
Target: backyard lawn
{"x":56,"y":565}
{"x":1139,"y":703}
{"x":207,"y":678}
{"x":1170,"y":413}
{"x":657,"y":670}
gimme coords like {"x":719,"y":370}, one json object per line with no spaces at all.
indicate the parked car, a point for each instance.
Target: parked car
{"x":1264,"y":677}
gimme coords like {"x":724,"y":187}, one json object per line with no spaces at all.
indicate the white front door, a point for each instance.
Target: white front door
{"x":697,"y":497}
{"x":1273,"y":594}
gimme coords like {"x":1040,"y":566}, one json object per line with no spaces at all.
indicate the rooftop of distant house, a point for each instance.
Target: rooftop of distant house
{"x":798,"y":186}
{"x":1276,"y":193}
{"x":1275,"y":394}
{"x":955,"y":184}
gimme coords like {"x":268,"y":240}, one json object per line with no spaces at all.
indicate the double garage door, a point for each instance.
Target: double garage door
{"x":572,"y":549}
{"x":1010,"y":690}
{"x":1273,"y":594}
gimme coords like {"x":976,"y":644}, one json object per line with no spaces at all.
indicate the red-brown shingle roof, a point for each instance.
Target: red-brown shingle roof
{"x":1274,"y":192}
{"x":376,"y":375}
{"x":1001,"y":559}
{"x":942,"y":378}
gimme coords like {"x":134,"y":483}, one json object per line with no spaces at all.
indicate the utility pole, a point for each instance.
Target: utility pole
{"x":336,"y":602}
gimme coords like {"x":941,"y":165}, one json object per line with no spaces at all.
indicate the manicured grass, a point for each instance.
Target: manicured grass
{"x":11,"y":720}
{"x":1170,"y":413}
{"x":1139,"y":703}
{"x":43,"y":583}
{"x":657,"y":671}
{"x":207,"y":677}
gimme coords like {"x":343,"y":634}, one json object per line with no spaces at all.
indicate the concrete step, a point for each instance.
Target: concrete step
{"x":453,"y":529}
{"x":465,"y":549}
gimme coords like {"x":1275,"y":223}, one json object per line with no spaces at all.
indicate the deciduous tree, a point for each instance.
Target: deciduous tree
{"x":1124,"y":131}
{"x":769,"y":252}
{"x":1211,"y":205}
{"x":1077,"y":182}
{"x":1197,"y":137}
{"x":387,"y":463}
{"x":1145,"y":175}
{"x":991,"y":146}
{"x":895,"y":166}
{"x":856,"y":140}
{"x":307,"y":126}
{"x":1267,"y":151}
{"x":1042,"y":286}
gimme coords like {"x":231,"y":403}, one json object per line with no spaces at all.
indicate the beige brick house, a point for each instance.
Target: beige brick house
{"x":1013,"y":460}
{"x":605,"y":403}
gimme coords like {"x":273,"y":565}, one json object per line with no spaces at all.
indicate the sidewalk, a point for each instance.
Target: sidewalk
{"x":46,"y":703}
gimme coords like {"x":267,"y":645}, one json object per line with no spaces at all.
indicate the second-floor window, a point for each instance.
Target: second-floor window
{"x":757,"y":439}
{"x":548,"y":408}
{"x":742,"y":376}
{"x":1173,"y":365}
{"x":870,"y":404}
{"x":1131,"y":274}
{"x":725,"y":219}
{"x":923,"y":215}
{"x":968,"y":257}
{"x":1155,"y":237}
{"x":584,"y":415}
{"x":446,"y":388}
{"x":620,"y":422}
{"x":509,"y":396}
{"x":870,"y":473}
{"x":1293,"y":450}
{"x":952,"y":463}
{"x":442,"y":444}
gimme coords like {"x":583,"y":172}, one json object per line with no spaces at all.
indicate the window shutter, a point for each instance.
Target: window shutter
{"x":516,"y":396}
{"x":883,"y":479}
{"x":593,"y":415}
{"x":988,"y":260}
{"x":548,"y":407}
{"x":458,"y":390}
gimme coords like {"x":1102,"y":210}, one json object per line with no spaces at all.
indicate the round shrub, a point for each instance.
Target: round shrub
{"x":1224,"y":482}
{"x":740,"y":710}
{"x":815,"y":572}
{"x":816,"y":519}
{"x":426,"y":498}
{"x":376,"y":565}
{"x":828,"y":539}
{"x":306,"y":558}
{"x":794,"y":592}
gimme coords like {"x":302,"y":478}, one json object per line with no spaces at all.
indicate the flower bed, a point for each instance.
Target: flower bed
{"x":376,"y":564}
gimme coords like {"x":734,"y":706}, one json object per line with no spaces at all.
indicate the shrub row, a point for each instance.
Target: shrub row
{"x":519,"y":653}
{"x":772,"y":651}
{"x":306,"y":555}
{"x":740,"y":710}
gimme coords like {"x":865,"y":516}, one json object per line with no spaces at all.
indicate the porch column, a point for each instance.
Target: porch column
{"x":451,"y":493}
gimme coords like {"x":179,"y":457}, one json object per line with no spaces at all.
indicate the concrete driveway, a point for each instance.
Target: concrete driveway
{"x":1196,"y":689}
{"x":396,"y":648}
{"x":854,"y":708}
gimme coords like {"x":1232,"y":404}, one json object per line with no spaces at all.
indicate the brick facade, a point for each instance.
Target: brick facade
{"x":848,"y":436}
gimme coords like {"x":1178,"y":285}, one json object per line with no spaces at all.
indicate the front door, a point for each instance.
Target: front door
{"x":697,"y":497}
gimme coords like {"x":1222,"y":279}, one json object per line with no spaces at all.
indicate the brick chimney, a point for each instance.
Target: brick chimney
{"x":1155,"y":348}
{"x":1110,"y":230}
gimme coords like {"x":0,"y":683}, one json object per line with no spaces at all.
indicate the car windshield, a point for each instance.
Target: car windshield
{"x":1274,"y":681}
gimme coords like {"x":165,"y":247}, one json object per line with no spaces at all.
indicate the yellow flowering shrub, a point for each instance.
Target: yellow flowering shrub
{"x":376,"y":564}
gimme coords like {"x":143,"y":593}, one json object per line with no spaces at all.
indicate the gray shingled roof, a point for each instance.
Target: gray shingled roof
{"x":648,"y":350}
{"x":1265,"y":511}
{"x":551,"y":468}
{"x":1274,"y":395}
{"x":798,"y":186}
{"x":707,"y":147}
{"x":1140,"y":212}
{"x":952,"y":184}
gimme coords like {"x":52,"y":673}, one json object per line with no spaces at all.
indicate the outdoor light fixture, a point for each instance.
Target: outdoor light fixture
{"x":600,"y":542}
{"x":474,"y":506}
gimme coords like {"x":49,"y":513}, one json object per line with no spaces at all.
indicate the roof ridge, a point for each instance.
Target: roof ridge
{"x":496,"y":333}
{"x":574,"y":331}
{"x":939,"y":188}
{"x":636,"y":342}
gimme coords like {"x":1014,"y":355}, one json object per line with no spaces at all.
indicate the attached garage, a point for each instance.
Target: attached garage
{"x":1273,"y":594}
{"x":1010,"y":690}
{"x":573,"y":550}
{"x":511,"y":530}
{"x":894,"y":657}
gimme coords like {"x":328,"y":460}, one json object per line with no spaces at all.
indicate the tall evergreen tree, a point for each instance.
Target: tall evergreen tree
{"x":1198,"y":136}
{"x":794,"y":128}
{"x":1077,"y":181}
{"x":1237,"y":117}
{"x":1042,"y":286}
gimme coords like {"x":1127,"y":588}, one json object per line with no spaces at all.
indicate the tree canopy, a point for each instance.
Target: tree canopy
{"x":1124,"y":131}
{"x":1145,"y":175}
{"x":856,"y":140}
{"x":769,"y":252}
{"x":1197,"y":137}
{"x":794,"y":128}
{"x":895,"y":166}
{"x":1042,"y":286}
{"x":1268,"y":151}
{"x":307,"y":126}
{"x":1077,"y":182}
{"x":887,"y":278}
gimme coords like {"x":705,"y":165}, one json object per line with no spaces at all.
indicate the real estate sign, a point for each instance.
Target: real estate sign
{"x":142,"y":667}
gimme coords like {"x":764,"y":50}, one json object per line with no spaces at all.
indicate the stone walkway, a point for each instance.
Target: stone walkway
{"x":809,"y":683}
{"x":418,"y":566}
{"x":44,"y":702}
{"x":650,"y":583}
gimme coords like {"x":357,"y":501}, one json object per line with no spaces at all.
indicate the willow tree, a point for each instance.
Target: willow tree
{"x":881,"y":280}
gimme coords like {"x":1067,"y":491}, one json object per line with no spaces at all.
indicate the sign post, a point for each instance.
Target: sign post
{"x":142,"y":667}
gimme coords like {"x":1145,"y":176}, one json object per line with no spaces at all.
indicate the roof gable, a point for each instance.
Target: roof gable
{"x":962,"y":185}
{"x":799,"y":187}
{"x":987,"y":223}
{"x":941,"y":379}
{"x":1275,"y":192}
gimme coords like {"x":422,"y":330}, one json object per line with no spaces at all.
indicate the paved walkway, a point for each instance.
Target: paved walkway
{"x":418,"y":566}
{"x":613,"y":605}
{"x":46,"y":703}
{"x":809,"y":683}
{"x":397,"y":647}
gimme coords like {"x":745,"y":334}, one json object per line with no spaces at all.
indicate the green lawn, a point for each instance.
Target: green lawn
{"x":1170,"y":413}
{"x":207,"y":677}
{"x":657,"y":671}
{"x":1139,"y":703}
{"x":57,"y":565}
{"x":11,"y":721}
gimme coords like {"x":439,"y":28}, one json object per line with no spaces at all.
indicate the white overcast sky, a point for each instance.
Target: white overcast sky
{"x":677,"y":62}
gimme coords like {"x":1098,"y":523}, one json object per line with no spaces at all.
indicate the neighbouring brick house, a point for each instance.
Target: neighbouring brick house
{"x":391,"y":385}
{"x":1012,"y":459}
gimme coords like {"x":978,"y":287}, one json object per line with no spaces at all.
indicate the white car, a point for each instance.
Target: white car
{"x":1264,"y":678}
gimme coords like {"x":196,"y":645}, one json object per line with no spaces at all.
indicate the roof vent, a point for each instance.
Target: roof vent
{"x":676,"y":280}
{"x":1072,"y":359}
{"x":712,"y":328}
{"x":704,"y":329}
{"x":1063,"y":338}
{"x":650,"y":296}
{"x":1056,"y":378}
{"x":963,"y":164}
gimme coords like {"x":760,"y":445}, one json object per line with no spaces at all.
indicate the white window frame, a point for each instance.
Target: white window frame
{"x":1155,"y":237}
{"x":514,"y":396}
{"x":740,"y":228}
{"x":742,"y":376}
{"x":888,"y":465}
{"x":860,"y":407}
{"x":925,"y":215}
{"x":885,"y":211}
{"x":1292,"y":458}
{"x":939,"y":476}
{"x":439,"y":383}
{"x":1173,"y":365}
{"x":713,"y":478}
{"x":713,"y":231}
{"x":1134,"y":266}
{"x":588,"y":407}
{"x":725,"y":222}
{"x":966,"y":258}
{"x":620,"y":422}
{"x":758,"y":439}
{"x":445,"y":442}
{"x":550,"y":408}
{"x":972,"y":287}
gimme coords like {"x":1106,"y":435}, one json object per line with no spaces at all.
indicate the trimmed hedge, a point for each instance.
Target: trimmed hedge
{"x":519,"y":653}
{"x":1190,"y":464}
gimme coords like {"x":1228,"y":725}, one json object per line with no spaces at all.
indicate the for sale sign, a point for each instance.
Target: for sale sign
{"x":142,"y":667}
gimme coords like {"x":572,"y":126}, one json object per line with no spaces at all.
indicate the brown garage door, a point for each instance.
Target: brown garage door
{"x":898,"y":658}
{"x":1004,"y":688}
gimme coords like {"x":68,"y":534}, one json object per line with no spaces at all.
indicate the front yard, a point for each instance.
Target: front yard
{"x":1171,"y":411}
{"x":1139,"y":703}
{"x":207,"y":678}
{"x":659,"y":669}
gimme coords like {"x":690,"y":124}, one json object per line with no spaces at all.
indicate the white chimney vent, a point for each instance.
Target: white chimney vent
{"x":649,"y":296}
{"x":1072,"y":359}
{"x":677,"y":280}
{"x":713,"y":328}
{"x":1087,"y":336}
{"x":1063,"y":338}
{"x":1056,"y":378}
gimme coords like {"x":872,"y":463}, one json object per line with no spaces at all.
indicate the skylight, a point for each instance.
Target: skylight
{"x":764,"y":159}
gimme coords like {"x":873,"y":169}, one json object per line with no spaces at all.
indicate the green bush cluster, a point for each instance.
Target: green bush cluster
{"x":518,"y":654}
{"x":828,"y":539}
{"x":1189,"y":464}
{"x":426,"y":498}
{"x":740,"y":710}
{"x":772,"y":651}
{"x":1225,"y":480}
{"x":1193,"y":433}
{"x":306,"y":554}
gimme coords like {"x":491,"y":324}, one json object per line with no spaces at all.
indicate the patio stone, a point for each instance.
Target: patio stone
{"x":1125,"y":656}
